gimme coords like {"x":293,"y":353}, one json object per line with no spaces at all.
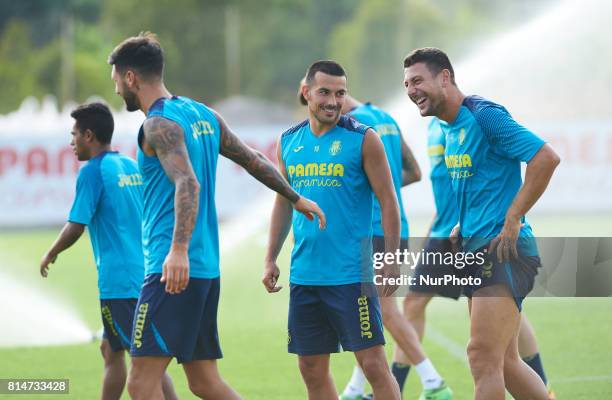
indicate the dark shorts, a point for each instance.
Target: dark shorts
{"x":117,"y":318}
{"x":180,"y":325}
{"x":431,"y":270}
{"x":518,"y":275}
{"x":323,"y":318}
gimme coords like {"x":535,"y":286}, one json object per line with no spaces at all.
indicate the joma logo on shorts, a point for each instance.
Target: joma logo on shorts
{"x":140,"y":322}
{"x":106,"y":313}
{"x":364,"y":317}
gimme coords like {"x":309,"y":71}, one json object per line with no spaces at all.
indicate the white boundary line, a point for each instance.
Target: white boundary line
{"x":453,"y":348}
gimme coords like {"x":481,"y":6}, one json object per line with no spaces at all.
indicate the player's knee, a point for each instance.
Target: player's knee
{"x":311,"y":370}
{"x":414,"y":305}
{"x":390,"y":315}
{"x":375,"y":369}
{"x":512,"y":356}
{"x":135,"y":386}
{"x":110,"y":357}
{"x":200,"y":388}
{"x":484,"y":356}
{"x":103,"y":346}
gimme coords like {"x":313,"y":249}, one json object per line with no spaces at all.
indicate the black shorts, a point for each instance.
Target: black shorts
{"x":327,"y":319}
{"x":180,"y":325}
{"x":429,"y":271}
{"x":518,"y":275}
{"x":117,"y":318}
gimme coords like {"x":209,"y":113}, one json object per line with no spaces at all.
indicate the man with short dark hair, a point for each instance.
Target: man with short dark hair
{"x":438,"y":241}
{"x":404,"y":171}
{"x":340,"y":163}
{"x":178,"y":147}
{"x":483,"y":154}
{"x":109,"y":202}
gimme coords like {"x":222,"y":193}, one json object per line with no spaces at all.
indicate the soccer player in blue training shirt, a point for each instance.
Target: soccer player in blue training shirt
{"x":404,"y":171}
{"x":438,"y":241}
{"x":178,"y":147}
{"x":483,"y":155}
{"x":339,"y":163}
{"x":109,"y":202}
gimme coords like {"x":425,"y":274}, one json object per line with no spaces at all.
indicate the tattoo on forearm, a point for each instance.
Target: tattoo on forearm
{"x":256,"y":164}
{"x":166,"y":138}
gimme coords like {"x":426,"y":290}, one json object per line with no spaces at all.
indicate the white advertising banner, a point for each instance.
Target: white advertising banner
{"x":38,"y":177}
{"x":37,"y":174}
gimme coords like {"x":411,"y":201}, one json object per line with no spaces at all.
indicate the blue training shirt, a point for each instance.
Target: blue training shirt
{"x":328,"y":170}
{"x":484,"y":151}
{"x":447,"y":214}
{"x":202,"y":134}
{"x":390,"y":134}
{"x":109,"y":201}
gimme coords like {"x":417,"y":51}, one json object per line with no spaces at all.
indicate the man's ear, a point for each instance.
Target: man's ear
{"x":130,"y":78}
{"x":305,"y":92}
{"x":446,"y":78}
{"x":89,"y":136}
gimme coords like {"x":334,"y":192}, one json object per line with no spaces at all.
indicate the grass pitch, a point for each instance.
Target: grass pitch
{"x":574,"y":334}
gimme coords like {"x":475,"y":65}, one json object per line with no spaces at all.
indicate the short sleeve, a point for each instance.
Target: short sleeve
{"x":506,"y":136}
{"x":88,"y":192}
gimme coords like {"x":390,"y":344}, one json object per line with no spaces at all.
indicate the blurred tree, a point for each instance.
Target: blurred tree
{"x":17,"y":78}
{"x":215,"y":48}
{"x":280,"y":40}
{"x":373,"y":44}
{"x":191,"y":33}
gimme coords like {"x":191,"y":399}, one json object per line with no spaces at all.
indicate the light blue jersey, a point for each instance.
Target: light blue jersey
{"x":202,"y":134}
{"x":484,"y":151}
{"x":447,"y":214}
{"x":390,"y":134}
{"x":109,"y":201}
{"x":328,"y":170}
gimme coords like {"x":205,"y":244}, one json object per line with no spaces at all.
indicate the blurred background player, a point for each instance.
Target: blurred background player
{"x":484,"y":151}
{"x":108,"y":201}
{"x":438,"y":241}
{"x":340,"y":163}
{"x":179,"y":144}
{"x":404,"y":171}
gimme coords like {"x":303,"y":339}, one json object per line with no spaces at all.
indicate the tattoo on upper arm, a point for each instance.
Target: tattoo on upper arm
{"x":166,"y":138}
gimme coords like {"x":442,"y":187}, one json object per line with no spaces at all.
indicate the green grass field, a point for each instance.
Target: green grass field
{"x":575,"y":335}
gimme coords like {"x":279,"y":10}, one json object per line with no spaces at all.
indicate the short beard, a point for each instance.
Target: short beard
{"x":131,"y":101}
{"x":322,"y":110}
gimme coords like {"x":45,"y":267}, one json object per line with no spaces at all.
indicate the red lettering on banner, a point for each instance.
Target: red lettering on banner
{"x":8,"y":158}
{"x":37,"y":160}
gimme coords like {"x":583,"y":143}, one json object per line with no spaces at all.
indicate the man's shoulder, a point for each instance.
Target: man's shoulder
{"x":91,"y":168}
{"x":294,"y":129}
{"x":487,"y":114}
{"x":351,"y":124}
{"x":481,"y":107}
